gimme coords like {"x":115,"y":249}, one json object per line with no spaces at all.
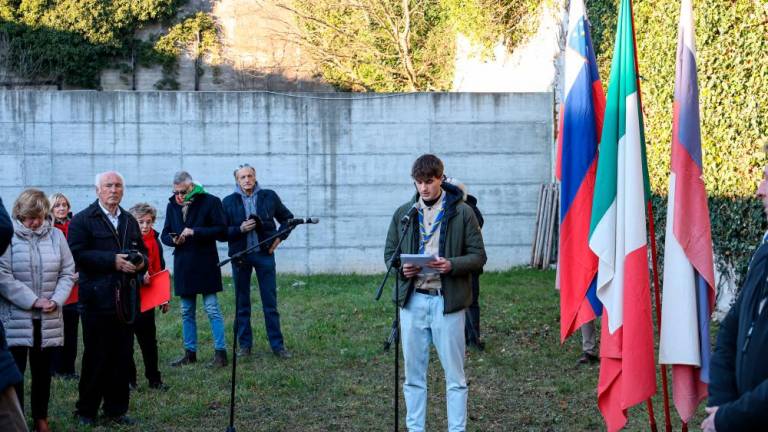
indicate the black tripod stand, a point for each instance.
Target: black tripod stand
{"x":394,"y":335}
{"x":237,"y":258}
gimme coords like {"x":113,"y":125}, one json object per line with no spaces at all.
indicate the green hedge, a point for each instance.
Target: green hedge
{"x":732,"y":42}
{"x":69,"y":42}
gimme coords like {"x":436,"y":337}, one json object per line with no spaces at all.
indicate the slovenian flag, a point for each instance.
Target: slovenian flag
{"x":581,"y":120}
{"x":618,"y":237}
{"x":689,"y":276}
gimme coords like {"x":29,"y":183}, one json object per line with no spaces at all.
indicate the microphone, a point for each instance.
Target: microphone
{"x":299,"y":221}
{"x":411,"y":213}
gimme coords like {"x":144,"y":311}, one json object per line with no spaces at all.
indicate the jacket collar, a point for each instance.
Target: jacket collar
{"x":453,"y":195}
{"x":94,"y":210}
{"x":239,"y":190}
{"x":27,"y":234}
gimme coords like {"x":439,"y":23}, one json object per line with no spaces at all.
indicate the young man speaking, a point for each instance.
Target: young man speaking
{"x":432,"y":303}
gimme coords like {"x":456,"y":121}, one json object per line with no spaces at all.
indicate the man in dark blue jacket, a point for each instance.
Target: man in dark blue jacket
{"x":738,"y":388}
{"x":11,"y":416}
{"x":106,"y":243}
{"x":244,"y":207}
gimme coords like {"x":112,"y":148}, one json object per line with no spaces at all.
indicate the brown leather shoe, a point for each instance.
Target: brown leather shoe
{"x":41,"y":425}
{"x":587,"y":358}
{"x":282,"y":353}
{"x":244,"y":352}
{"x":187,"y":358}
{"x":219,"y":359}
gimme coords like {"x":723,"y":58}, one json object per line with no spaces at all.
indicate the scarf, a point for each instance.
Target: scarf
{"x":188,"y":198}
{"x":153,"y":252}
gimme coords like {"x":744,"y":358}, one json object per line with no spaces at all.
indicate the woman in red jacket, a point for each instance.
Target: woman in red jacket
{"x":63,"y":361}
{"x":144,"y":327}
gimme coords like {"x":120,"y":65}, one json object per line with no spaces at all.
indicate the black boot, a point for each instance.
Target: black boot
{"x":187,"y":358}
{"x":219,"y":359}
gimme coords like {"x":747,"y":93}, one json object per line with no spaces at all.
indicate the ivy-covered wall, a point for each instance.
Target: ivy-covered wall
{"x":69,"y":42}
{"x":732,"y":42}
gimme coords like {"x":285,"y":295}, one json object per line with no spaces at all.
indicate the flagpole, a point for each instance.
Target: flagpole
{"x":651,"y":416}
{"x":654,"y":259}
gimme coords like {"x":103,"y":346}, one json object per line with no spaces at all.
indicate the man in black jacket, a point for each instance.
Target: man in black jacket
{"x":194,"y":221}
{"x":11,"y":416}
{"x":738,"y":388}
{"x":101,"y":237}
{"x":264,"y":204}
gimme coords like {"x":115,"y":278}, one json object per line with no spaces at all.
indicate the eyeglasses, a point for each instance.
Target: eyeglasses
{"x":179,"y":192}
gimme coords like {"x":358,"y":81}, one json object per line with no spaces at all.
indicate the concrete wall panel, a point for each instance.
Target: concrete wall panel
{"x":344,"y":158}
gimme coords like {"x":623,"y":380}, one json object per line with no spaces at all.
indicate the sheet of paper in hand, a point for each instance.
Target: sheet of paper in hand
{"x":420,"y":260}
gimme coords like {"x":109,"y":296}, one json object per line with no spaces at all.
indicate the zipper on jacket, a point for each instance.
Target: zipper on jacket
{"x":36,"y":262}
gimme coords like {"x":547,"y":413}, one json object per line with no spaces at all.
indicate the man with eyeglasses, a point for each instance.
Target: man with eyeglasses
{"x":194,"y":221}
{"x":251,"y":213}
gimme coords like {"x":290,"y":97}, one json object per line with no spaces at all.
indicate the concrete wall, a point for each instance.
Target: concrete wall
{"x":344,"y":158}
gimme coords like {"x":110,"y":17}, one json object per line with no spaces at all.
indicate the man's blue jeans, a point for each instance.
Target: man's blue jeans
{"x":264,"y":264}
{"x":189,"y":323}
{"x":422,"y":323}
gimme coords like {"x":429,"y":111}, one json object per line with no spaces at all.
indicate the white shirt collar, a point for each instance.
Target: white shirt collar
{"x":113,"y":219}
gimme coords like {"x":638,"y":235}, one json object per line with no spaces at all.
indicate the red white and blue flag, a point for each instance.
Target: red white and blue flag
{"x":689,"y":278}
{"x":581,"y":121}
{"x":618,"y":236}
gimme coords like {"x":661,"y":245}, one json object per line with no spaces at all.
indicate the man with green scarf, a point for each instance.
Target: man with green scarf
{"x":194,"y":221}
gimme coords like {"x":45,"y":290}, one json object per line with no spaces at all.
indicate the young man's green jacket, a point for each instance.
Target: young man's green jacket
{"x":460,"y":242}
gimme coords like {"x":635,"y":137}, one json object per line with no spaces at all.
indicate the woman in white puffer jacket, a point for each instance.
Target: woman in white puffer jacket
{"x":36,"y":276}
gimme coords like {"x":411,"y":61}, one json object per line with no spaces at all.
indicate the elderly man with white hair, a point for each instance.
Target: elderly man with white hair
{"x":106,"y":243}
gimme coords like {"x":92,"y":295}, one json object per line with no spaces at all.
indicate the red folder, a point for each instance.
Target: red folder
{"x":73,"y":295}
{"x":157,"y":292}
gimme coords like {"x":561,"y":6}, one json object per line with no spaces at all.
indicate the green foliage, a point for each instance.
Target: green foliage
{"x":382,"y":45}
{"x":395,"y":45}
{"x":72,"y":41}
{"x":732,"y":39}
{"x":198,"y":32}
{"x":485,"y":21}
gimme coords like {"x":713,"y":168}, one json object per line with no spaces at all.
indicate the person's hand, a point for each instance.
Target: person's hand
{"x":708,"y":425}
{"x":274,"y":246}
{"x":178,"y":240}
{"x":440,"y":264}
{"x":247,"y":225}
{"x":165,"y":307}
{"x":76,"y":277}
{"x":39,"y":303}
{"x":410,"y":270}
{"x":50,"y":306}
{"x":146,"y":279}
{"x":188,"y":232}
{"x":122,"y":264}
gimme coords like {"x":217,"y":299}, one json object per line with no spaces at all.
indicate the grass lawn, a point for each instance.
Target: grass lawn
{"x":340,"y":380}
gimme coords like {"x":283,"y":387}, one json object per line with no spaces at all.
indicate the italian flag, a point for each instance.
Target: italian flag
{"x":618,"y":237}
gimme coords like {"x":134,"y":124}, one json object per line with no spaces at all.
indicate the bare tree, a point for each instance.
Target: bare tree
{"x":21,"y":65}
{"x":374,"y":45}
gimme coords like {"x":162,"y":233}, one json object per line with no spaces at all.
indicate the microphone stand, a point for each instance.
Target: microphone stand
{"x":394,"y":334}
{"x":237,"y":258}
